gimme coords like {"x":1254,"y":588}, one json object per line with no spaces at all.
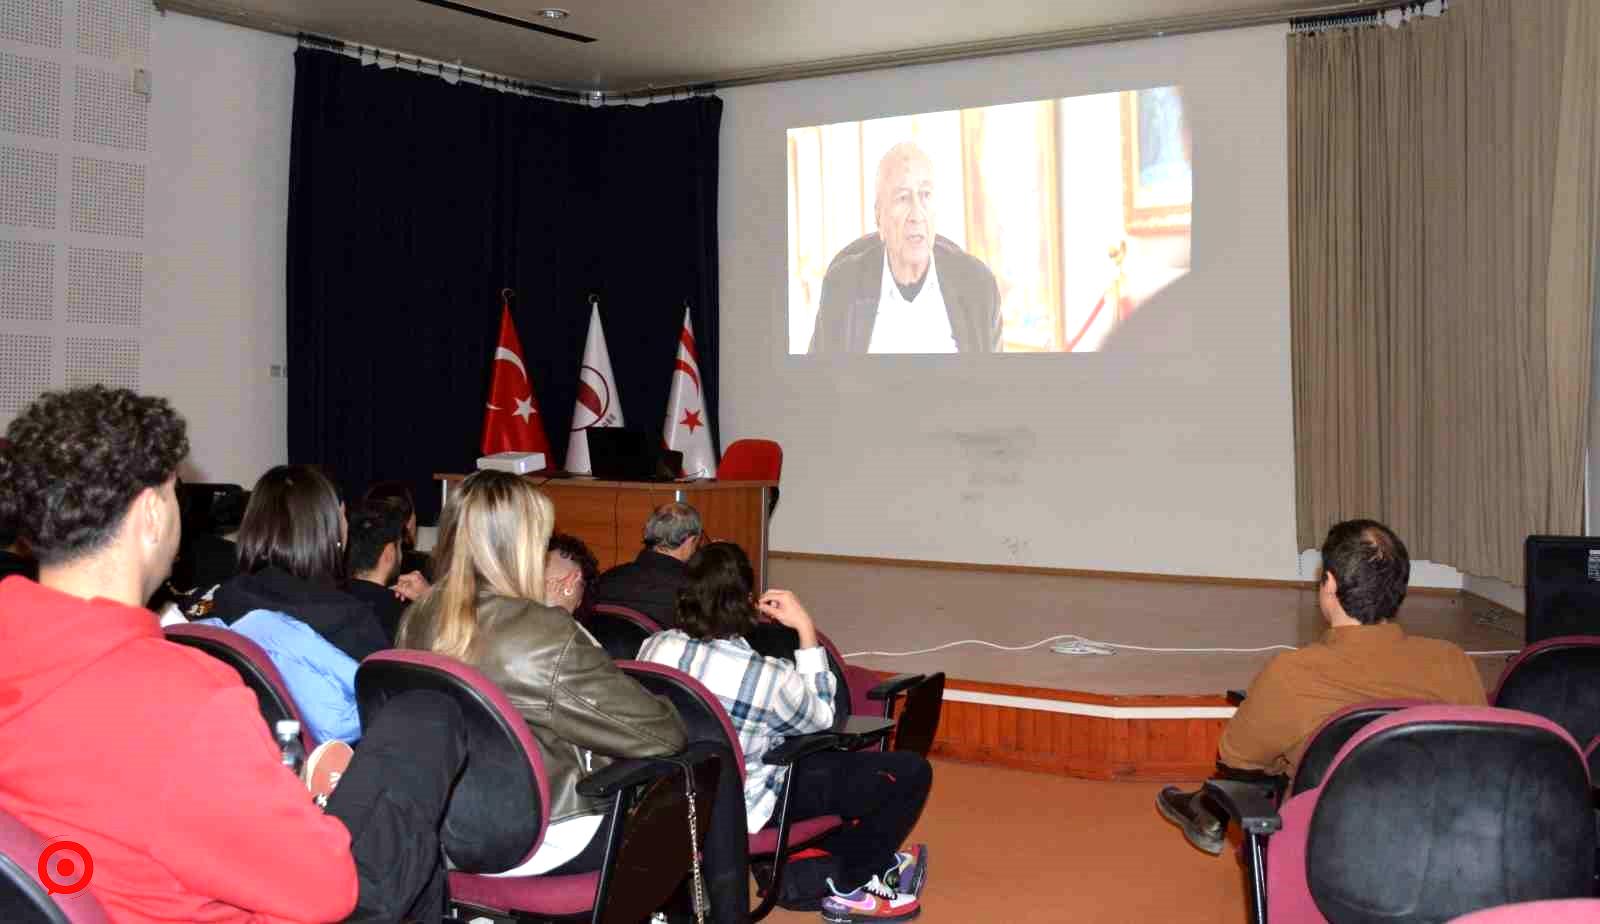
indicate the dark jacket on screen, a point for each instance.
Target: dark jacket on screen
{"x":850,"y":290}
{"x":348,"y":623}
{"x":385,"y":605}
{"x":582,"y":709}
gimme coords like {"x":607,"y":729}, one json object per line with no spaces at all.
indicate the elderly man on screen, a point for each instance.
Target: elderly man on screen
{"x":904,"y":289}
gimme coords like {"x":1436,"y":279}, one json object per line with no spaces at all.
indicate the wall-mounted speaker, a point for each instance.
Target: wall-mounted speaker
{"x":1561,"y":580}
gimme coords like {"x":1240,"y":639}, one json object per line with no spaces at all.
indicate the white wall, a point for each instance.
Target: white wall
{"x":1171,"y":453}
{"x":220,"y":112}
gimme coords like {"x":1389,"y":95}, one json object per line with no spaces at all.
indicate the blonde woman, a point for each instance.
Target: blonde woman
{"x":487,"y":607}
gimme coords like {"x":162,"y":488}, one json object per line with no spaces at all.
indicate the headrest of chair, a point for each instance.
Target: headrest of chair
{"x":497,"y":813}
{"x":702,"y":713}
{"x":1334,"y":732}
{"x":1500,"y":799}
{"x":619,"y":633}
{"x":1559,"y":679}
{"x":1536,"y":651}
{"x":255,"y":668}
{"x":751,"y":459}
{"x":630,"y":614}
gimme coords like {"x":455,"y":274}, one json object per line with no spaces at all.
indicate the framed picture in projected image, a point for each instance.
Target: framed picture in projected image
{"x":1158,"y":175}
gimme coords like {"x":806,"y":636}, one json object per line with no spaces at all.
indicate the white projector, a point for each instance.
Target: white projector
{"x":518,"y":463}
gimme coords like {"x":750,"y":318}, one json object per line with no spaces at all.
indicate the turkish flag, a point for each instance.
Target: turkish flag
{"x":511,"y":420}
{"x":688,"y":426}
{"x":598,"y":404}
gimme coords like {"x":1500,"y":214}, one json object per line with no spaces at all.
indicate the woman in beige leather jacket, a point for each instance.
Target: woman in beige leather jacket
{"x":487,"y":608}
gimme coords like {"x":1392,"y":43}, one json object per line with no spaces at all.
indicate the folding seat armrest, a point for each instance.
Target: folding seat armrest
{"x":894,"y":686}
{"x":1253,"y":804}
{"x":795,"y":747}
{"x":624,"y":774}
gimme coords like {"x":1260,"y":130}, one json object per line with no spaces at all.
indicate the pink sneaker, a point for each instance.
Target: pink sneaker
{"x":872,"y":902}
{"x":324,"y":768}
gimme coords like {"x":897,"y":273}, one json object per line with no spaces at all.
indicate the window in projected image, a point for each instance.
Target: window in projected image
{"x":1024,"y":228}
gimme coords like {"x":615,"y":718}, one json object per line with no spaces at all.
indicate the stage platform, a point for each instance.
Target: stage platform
{"x":1131,"y":715}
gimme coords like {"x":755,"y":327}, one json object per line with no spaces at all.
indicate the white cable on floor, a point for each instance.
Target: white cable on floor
{"x":1077,"y":644}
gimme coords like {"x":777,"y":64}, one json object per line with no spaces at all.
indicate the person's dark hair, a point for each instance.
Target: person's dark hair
{"x":372,"y":526}
{"x":1371,"y":567}
{"x":292,"y":523}
{"x":716,"y":602}
{"x":399,"y":494}
{"x":573,"y":549}
{"x":77,"y":459}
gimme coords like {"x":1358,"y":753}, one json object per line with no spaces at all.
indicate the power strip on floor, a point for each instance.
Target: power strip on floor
{"x":1081,"y":647}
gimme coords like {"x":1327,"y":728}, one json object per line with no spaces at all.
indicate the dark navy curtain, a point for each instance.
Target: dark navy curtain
{"x":413,"y":202}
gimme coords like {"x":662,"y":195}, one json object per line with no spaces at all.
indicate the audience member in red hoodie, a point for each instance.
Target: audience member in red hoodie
{"x":154,"y":757}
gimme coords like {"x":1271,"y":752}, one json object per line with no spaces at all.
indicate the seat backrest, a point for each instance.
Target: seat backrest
{"x":751,"y":460}
{"x":254,"y":667}
{"x":496,"y":817}
{"x":702,"y":713}
{"x":620,"y":630}
{"x":919,"y":716}
{"x":1558,"y":678}
{"x":1433,"y":812}
{"x":654,"y":854}
{"x":1334,"y":732}
{"x":23,"y":898}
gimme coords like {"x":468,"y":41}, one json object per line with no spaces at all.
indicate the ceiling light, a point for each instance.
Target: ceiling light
{"x":553,"y":13}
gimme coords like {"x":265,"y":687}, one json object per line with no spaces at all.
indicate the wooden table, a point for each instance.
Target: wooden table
{"x":609,"y":516}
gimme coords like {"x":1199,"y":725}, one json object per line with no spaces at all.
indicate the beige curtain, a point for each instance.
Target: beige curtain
{"x":1444,"y":195}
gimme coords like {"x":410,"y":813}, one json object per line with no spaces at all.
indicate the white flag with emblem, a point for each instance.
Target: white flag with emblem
{"x":688,"y":426}
{"x":597,"y":404}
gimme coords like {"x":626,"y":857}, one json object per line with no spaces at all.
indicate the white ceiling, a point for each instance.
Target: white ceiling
{"x":671,"y":43}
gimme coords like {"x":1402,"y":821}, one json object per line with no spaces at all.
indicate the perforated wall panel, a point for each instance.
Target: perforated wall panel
{"x":27,"y":188}
{"x":27,"y":280}
{"x":116,"y":29}
{"x":104,"y":286}
{"x":26,"y":361}
{"x":34,"y":22}
{"x":107,"y":111}
{"x":30,"y":96}
{"x":105,"y":360}
{"x":107,"y":197}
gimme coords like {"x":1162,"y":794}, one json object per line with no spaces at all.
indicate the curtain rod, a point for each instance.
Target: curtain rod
{"x":1392,"y":16}
{"x":462,"y":73}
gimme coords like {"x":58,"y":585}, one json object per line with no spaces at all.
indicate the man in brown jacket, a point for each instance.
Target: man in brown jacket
{"x":1364,"y":655}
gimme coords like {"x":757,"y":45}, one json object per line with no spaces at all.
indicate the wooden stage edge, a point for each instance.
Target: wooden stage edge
{"x":1085,"y":735}
{"x":1151,"y":576}
{"x":1157,"y":738}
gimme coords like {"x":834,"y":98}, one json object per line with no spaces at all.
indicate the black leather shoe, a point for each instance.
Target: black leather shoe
{"x":1189,"y":812}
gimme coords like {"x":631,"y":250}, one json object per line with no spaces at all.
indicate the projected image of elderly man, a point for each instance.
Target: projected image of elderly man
{"x":903,"y":288}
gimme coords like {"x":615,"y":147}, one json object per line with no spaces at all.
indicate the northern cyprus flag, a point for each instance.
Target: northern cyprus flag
{"x":688,"y":427}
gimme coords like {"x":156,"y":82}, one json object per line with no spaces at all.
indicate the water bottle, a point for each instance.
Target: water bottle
{"x":294,"y":754}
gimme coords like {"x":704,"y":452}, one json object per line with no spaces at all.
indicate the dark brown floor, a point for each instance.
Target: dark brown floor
{"x":874,"y":607}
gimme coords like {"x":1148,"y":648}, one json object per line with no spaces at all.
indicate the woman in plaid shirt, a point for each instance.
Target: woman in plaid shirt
{"x":879,"y":794}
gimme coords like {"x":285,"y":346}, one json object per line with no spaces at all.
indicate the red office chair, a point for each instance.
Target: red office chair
{"x":255,"y":669}
{"x":1425,"y":814}
{"x":620,"y":630}
{"x":23,"y":898}
{"x":924,"y":693}
{"x":709,"y":725}
{"x":496,"y":818}
{"x":1558,"y":678}
{"x":753,"y":460}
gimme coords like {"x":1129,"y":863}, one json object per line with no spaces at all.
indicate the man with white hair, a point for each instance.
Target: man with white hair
{"x":651,"y":581}
{"x":903,"y":288}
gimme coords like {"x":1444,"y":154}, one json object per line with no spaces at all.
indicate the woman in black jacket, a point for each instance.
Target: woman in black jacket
{"x":291,"y":560}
